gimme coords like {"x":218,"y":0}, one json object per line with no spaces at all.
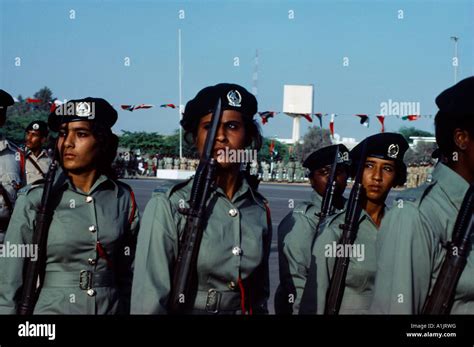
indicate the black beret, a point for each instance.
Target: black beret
{"x":5,"y":98}
{"x":89,"y":109}
{"x":459,"y":99}
{"x":39,"y":125}
{"x":5,"y":101}
{"x":325,"y":156}
{"x":388,"y":146}
{"x":233,"y":96}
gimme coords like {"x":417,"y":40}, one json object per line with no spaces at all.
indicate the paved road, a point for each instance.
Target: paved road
{"x":280,"y":197}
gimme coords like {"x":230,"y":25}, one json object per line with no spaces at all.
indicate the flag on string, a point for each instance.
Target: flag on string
{"x":33,"y":101}
{"x":411,"y":117}
{"x":381,"y":120}
{"x":168,"y":105}
{"x":54,"y":105}
{"x":364,"y":119}
{"x":272,"y":147}
{"x":331,"y":125}
{"x":308,"y":117}
{"x":320,"y":117}
{"x":265,"y":115}
{"x":132,"y":108}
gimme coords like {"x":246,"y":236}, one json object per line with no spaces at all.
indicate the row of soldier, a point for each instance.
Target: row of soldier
{"x":102,"y":257}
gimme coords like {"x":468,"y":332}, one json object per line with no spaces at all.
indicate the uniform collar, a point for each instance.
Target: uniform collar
{"x":43,"y":153}
{"x":365,"y":215}
{"x":451,"y":183}
{"x":316,"y":198}
{"x":4,"y":144}
{"x":63,"y":181}
{"x":242,"y":191}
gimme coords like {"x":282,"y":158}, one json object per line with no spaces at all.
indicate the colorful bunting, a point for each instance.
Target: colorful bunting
{"x":331,"y":125}
{"x":364,"y":119}
{"x":168,"y":105}
{"x":33,"y":101}
{"x":411,"y":117}
{"x":320,"y":117}
{"x":132,"y":108}
{"x":266,"y":115}
{"x":308,"y":117}
{"x":381,"y":120}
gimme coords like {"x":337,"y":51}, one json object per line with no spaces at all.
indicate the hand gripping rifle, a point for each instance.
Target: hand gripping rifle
{"x":349,"y":233}
{"x":184,"y":275}
{"x":441,"y":299}
{"x":44,"y":215}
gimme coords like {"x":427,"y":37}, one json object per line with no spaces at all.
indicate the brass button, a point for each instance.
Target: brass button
{"x":91,"y":292}
{"x":231,"y":285}
{"x":92,"y":229}
{"x":89,"y":199}
{"x":91,"y":261}
{"x":233,"y":212}
{"x":236,"y":250}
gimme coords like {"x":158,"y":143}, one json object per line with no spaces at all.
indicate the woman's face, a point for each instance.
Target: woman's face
{"x":378,"y":178}
{"x":320,"y":179}
{"x":78,"y":148}
{"x":231,"y":136}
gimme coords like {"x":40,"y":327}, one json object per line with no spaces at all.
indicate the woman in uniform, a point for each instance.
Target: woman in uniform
{"x":415,"y":238}
{"x":90,"y":245}
{"x":383,"y":169}
{"x":232,"y":264}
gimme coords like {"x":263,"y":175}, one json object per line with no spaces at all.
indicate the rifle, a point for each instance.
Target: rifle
{"x":184,"y":274}
{"x":326,"y":204}
{"x":441,"y":299}
{"x":349,"y":234}
{"x":30,"y":293}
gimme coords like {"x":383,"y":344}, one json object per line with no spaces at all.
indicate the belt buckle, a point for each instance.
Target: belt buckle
{"x":85,"y":280}
{"x":212,"y":301}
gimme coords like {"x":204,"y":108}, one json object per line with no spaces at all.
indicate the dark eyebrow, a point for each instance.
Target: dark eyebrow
{"x":75,"y":129}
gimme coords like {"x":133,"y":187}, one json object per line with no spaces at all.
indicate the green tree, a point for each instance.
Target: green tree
{"x":314,"y":139}
{"x":20,"y":114}
{"x":279,"y":150}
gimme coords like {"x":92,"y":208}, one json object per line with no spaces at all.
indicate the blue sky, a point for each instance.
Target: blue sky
{"x":405,"y":60}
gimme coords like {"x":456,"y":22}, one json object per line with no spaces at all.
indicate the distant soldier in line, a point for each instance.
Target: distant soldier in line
{"x":299,"y":172}
{"x":37,"y":160}
{"x":12,"y":169}
{"x":176,"y":163}
{"x":291,"y":170}
{"x":297,"y":230}
{"x":184,"y":163}
{"x":279,"y":174}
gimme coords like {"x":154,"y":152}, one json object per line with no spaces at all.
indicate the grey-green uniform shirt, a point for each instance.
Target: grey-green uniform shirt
{"x":296,"y":233}
{"x":235,"y":243}
{"x":360,"y":277}
{"x":410,"y":247}
{"x":10,"y":175}
{"x":42,"y":161}
{"x":80,"y":221}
